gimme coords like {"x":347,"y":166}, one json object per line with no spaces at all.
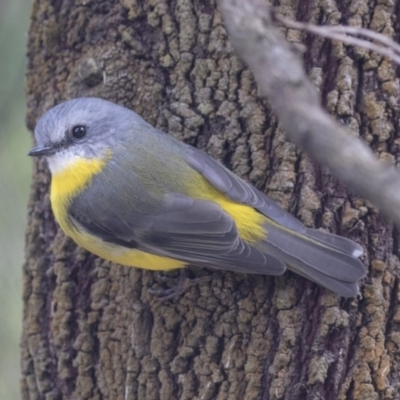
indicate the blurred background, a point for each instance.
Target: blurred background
{"x":15,"y":172}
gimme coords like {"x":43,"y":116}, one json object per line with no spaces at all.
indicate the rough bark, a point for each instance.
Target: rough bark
{"x":297,"y":103}
{"x":92,"y":330}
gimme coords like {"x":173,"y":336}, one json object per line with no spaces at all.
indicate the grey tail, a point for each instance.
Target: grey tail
{"x":327,"y":259}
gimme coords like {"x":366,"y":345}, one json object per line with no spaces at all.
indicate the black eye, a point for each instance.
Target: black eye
{"x":78,"y":132}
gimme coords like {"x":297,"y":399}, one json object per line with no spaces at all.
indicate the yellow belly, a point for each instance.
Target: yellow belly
{"x":67,"y":184}
{"x":122,"y":255}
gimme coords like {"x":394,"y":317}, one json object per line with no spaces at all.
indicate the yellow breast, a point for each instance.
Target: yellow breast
{"x":65,"y":186}
{"x":68,"y":182}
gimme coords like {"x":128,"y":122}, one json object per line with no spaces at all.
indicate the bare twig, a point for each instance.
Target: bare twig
{"x":280,"y":75}
{"x":345,"y":34}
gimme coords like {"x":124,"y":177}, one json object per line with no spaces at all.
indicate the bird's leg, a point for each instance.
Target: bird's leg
{"x":180,"y":285}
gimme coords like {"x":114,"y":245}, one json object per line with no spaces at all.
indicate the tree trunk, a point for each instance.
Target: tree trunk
{"x":93,"y":331}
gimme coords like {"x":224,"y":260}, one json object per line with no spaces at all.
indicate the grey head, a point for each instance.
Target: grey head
{"x":83,"y":127}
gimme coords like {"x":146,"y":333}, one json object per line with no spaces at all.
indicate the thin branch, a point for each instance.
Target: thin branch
{"x":345,"y":34}
{"x":280,"y":76}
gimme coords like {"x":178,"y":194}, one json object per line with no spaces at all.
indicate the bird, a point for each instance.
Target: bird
{"x":136,"y":196}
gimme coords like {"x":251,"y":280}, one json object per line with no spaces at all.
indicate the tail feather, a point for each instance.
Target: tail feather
{"x":338,"y":242}
{"x":342,"y":288}
{"x":326,"y":259}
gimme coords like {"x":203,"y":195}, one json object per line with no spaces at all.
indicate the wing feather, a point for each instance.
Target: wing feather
{"x":240,"y":191}
{"x":196,"y":231}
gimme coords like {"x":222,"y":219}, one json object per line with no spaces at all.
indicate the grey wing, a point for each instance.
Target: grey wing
{"x":238,"y":190}
{"x":196,"y":231}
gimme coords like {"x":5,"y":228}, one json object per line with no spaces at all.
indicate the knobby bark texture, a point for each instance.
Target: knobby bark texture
{"x":91,"y":328}
{"x":297,"y":103}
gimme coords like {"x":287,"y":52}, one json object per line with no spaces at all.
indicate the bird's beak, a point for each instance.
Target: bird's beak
{"x":41,"y":151}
